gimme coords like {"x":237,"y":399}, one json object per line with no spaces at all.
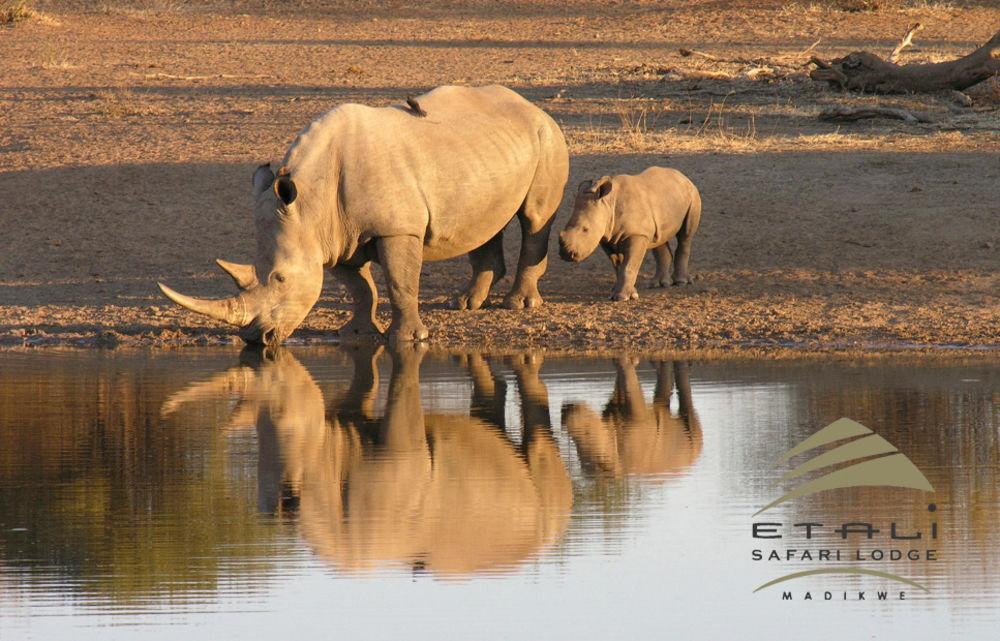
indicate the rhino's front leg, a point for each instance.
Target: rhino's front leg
{"x":401,"y":257}
{"x":633,"y":250}
{"x":361,"y":287}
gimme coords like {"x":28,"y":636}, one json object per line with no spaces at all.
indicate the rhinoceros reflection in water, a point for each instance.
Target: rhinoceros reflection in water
{"x":631,"y":437}
{"x":447,"y":493}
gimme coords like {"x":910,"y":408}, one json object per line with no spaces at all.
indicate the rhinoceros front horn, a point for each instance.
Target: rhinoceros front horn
{"x":245,"y":276}
{"x":229,"y":310}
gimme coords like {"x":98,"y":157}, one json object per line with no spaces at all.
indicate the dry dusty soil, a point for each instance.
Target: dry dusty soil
{"x":129,"y":131}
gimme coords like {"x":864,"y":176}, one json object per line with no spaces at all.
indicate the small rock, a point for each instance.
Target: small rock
{"x":987,"y":245}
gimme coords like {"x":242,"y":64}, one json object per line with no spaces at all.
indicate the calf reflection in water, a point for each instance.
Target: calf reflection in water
{"x":631,"y":437}
{"x":446,"y":493}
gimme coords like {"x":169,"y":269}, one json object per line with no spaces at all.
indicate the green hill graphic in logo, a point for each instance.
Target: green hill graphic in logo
{"x":874,"y":462}
{"x":879,"y":463}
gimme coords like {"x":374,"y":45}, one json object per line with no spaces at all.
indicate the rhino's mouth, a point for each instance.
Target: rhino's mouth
{"x":256,"y":336}
{"x":570,"y":254}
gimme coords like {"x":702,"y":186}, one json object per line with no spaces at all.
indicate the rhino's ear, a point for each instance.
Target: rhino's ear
{"x":603,"y":187}
{"x":262,"y":178}
{"x":285,"y":188}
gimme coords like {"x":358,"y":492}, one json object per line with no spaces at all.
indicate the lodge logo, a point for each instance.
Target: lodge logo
{"x":863,"y":459}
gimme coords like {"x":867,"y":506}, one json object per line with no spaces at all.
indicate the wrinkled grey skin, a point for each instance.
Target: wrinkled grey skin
{"x":387,"y":185}
{"x":626,"y":215}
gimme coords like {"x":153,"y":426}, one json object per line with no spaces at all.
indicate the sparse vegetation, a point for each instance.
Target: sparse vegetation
{"x":874,"y":6}
{"x":12,"y":11}
{"x":176,"y":119}
{"x":634,"y":123}
{"x":865,"y":5}
{"x":119,"y":102}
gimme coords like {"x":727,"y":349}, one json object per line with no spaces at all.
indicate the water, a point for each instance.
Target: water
{"x":319,"y":493}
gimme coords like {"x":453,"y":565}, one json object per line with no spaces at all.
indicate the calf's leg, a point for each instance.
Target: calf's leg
{"x":684,"y":237}
{"x":634,"y":250}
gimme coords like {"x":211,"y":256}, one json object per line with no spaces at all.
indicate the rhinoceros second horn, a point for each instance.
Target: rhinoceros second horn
{"x":245,"y":276}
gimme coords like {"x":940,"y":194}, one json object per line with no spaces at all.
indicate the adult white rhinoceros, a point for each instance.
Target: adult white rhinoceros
{"x":398,"y":185}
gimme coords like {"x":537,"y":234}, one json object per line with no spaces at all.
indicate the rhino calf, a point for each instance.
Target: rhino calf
{"x":626,"y":215}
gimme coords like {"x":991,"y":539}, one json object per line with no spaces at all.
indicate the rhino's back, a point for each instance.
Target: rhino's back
{"x":455,"y":176}
{"x":660,"y":194}
{"x":659,"y":182}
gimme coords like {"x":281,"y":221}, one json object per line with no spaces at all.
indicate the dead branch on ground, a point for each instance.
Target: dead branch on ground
{"x":905,"y":42}
{"x":851,"y":114}
{"x":866,"y":72}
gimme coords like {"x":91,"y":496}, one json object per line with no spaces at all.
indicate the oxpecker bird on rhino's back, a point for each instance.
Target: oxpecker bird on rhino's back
{"x":396,"y":186}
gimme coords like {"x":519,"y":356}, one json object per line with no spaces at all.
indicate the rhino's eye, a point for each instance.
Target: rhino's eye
{"x":279,"y":277}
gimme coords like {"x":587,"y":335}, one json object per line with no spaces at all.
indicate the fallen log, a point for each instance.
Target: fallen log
{"x":866,"y":72}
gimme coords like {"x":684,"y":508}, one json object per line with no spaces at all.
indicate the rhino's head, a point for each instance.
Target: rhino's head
{"x":592,"y":214}
{"x":279,"y":290}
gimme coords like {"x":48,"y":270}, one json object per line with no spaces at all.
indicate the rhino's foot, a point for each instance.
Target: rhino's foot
{"x":406,"y":330}
{"x":659,"y":281}
{"x":468,"y":300}
{"x":625,"y":293}
{"x":527,"y":361}
{"x":409,"y":354}
{"x":517,"y":300}
{"x":359,"y":331}
{"x":682,"y":280}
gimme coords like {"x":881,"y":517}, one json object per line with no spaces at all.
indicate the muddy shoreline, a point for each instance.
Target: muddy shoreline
{"x":128,"y":137}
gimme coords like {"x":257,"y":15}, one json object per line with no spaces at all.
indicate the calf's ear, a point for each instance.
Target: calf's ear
{"x":262,"y":178}
{"x":603,"y":187}
{"x":585,"y":185}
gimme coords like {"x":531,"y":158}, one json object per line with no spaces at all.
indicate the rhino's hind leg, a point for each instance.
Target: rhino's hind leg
{"x":361,"y":287}
{"x":664,"y":256}
{"x":531,"y":264}
{"x":684,"y":237}
{"x":487,"y":268}
{"x":401,"y":257}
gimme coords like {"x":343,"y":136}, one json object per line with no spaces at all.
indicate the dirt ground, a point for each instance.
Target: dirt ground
{"x":129,"y":131}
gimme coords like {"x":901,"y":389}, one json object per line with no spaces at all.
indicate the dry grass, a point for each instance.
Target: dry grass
{"x":716,"y":124}
{"x":864,"y":5}
{"x":12,"y":11}
{"x":120,"y":102}
{"x":922,"y":7}
{"x":53,"y":57}
{"x":141,"y":8}
{"x":634,"y":123}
